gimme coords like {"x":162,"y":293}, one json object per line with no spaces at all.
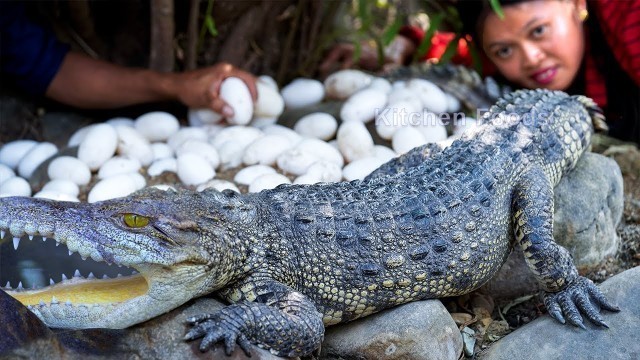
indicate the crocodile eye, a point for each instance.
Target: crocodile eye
{"x":135,"y":220}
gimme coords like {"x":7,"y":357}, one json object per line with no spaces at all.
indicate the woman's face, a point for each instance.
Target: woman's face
{"x":538,"y":44}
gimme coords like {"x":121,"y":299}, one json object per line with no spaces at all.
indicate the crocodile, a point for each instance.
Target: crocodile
{"x":433,"y":223}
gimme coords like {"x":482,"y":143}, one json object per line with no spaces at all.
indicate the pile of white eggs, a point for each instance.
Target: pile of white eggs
{"x":115,"y":154}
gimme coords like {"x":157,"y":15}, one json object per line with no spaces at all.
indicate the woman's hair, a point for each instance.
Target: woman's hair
{"x":623,"y":94}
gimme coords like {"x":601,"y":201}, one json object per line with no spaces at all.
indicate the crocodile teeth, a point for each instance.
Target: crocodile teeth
{"x":57,"y":243}
{"x":54,"y":300}
{"x":77,"y":274}
{"x":51,"y":282}
{"x":16,"y":242}
{"x":70,"y":253}
{"x":91,"y":276}
{"x":20,"y":286}
{"x":64,"y":277}
{"x":2,"y":234}
{"x":42,"y":303}
{"x":44,"y":238}
{"x":105,"y":276}
{"x":8,"y":286}
{"x":30,"y":237}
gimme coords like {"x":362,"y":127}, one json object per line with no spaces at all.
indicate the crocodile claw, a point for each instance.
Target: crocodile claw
{"x":213,"y":330}
{"x":576,"y":299}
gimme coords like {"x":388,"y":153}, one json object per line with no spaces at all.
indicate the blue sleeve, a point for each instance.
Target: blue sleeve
{"x":29,"y":54}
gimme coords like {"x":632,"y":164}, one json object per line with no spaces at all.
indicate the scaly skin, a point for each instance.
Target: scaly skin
{"x":297,"y":258}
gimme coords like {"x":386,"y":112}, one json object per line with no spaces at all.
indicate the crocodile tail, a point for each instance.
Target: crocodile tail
{"x":597,"y":115}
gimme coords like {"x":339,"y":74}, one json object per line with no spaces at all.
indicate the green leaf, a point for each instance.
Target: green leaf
{"x":390,"y":33}
{"x":495,"y":4}
{"x":450,"y":51}
{"x":364,"y":14}
{"x":357,"y":51}
{"x":210,"y":25}
{"x":425,"y":44}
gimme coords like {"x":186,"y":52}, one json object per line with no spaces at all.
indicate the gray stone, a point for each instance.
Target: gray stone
{"x":588,"y":208}
{"x":589,"y":203}
{"x":545,"y":338}
{"x":417,"y":330}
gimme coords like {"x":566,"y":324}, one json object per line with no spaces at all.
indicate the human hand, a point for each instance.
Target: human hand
{"x":200,"y":88}
{"x":342,"y":56}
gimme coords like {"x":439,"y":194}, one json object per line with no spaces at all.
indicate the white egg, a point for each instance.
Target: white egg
{"x":463,"y":125}
{"x":265,"y":150}
{"x":113,"y":187}
{"x":354,"y":141}
{"x":131,"y":143}
{"x":161,"y":151}
{"x":5,"y":173}
{"x":98,"y":146}
{"x":119,"y":165}
{"x":321,"y":150}
{"x":194,"y":169}
{"x":402,"y":113}
{"x":307,"y":179}
{"x":277,"y":129}
{"x":383,"y":153}
{"x":161,"y":165}
{"x":247,"y":175}
{"x":12,"y":152}
{"x":157,"y":125}
{"x":199,"y":117}
{"x":231,"y":154}
{"x":360,"y":168}
{"x":268,"y":181}
{"x":243,"y":135}
{"x":302,"y":93}
{"x":201,"y":148}
{"x":325,"y":171}
{"x":344,"y":83}
{"x":380,"y":84}
{"x":79,"y":135}
{"x":404,"y":94}
{"x":15,"y":186}
{"x":317,"y":125}
{"x":62,"y":186}
{"x":138,"y":180}
{"x":55,"y":195}
{"x":453,"y":104}
{"x":36,"y":156}
{"x":432,"y":97}
{"x":236,"y":94}
{"x":406,"y":139}
{"x":121,"y":121}
{"x":433,"y":133}
{"x":262,"y":122}
{"x":185,"y":134}
{"x":69,"y":168}
{"x":295,"y":161}
{"x":219,"y":185}
{"x":269,"y":81}
{"x":270,"y":103}
{"x":363,"y":105}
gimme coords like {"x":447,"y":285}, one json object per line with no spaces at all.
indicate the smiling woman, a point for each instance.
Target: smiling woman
{"x":578,"y":46}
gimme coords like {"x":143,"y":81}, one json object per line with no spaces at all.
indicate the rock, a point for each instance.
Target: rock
{"x":545,"y":338}
{"x":588,"y":208}
{"x":589,"y":203}
{"x":26,"y":337}
{"x":417,"y":330}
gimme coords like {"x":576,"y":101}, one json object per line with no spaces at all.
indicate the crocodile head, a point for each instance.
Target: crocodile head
{"x":178,"y":250}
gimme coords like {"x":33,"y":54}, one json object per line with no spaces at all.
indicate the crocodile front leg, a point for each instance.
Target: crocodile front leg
{"x":281,"y":319}
{"x":567,"y":293}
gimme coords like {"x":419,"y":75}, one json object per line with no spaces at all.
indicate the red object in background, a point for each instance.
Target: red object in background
{"x":439,"y":43}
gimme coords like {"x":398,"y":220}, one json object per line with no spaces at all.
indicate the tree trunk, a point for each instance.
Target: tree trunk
{"x":162,"y":32}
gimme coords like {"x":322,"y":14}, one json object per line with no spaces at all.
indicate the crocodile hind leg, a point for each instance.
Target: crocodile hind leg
{"x":406,"y":161}
{"x":282,"y":320}
{"x":567,"y":293}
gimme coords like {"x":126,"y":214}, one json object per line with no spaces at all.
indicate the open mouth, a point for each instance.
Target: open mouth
{"x":38,"y":270}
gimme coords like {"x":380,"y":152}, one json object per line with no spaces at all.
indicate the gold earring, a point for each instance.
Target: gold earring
{"x":584,"y":15}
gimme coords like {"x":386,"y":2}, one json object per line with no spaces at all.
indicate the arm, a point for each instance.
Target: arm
{"x":89,"y":83}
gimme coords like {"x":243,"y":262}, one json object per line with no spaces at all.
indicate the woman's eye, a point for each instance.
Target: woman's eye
{"x":503,"y":52}
{"x":135,"y":220}
{"x":538,"y":31}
